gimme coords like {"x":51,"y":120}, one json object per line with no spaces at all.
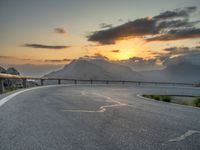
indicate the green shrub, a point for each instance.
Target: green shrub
{"x":148,"y":96}
{"x":166,"y":99}
{"x":144,"y":95}
{"x":11,"y":89}
{"x":196,"y":102}
{"x":159,"y":97}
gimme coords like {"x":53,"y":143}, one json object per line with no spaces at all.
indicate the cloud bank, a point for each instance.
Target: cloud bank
{"x":41,"y":46}
{"x":116,"y":51}
{"x":104,"y":25}
{"x":58,"y":60}
{"x":59,"y":30}
{"x":168,"y":25}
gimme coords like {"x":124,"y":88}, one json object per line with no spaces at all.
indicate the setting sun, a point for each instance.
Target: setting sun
{"x":122,"y":55}
{"x":99,"y":74}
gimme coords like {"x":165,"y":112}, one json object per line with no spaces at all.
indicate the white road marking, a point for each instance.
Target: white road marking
{"x":83,"y":93}
{"x":82,"y":111}
{"x":6,"y":99}
{"x":102,"y":108}
{"x":184,"y":136}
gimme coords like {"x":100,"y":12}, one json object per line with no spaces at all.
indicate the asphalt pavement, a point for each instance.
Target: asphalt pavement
{"x":85,"y":117}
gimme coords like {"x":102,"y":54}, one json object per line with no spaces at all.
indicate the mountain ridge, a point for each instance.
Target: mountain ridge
{"x":95,"y":69}
{"x":179,"y":72}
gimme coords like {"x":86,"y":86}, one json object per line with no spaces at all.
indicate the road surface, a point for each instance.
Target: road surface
{"x":98,"y":118}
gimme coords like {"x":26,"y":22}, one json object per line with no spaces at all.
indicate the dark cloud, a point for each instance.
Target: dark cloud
{"x":57,"y":60}
{"x":96,"y":56}
{"x":104,"y":25}
{"x":141,"y":64}
{"x":116,"y":51}
{"x":174,"y":24}
{"x":192,"y":58}
{"x":172,"y":52}
{"x":169,"y":25}
{"x":168,"y":56}
{"x":6,"y":57}
{"x":100,"y":56}
{"x":142,"y":61}
{"x":183,"y":50}
{"x":13,"y":57}
{"x":184,"y":12}
{"x":28,"y":59}
{"x":45,"y":46}
{"x":86,"y":56}
{"x":59,"y":30}
{"x":177,"y":35}
{"x":139,"y":27}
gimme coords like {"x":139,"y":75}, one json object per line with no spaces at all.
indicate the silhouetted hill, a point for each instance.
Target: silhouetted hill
{"x":10,"y":70}
{"x":179,"y":72}
{"x":14,"y":83}
{"x":96,"y":69}
{"x":13,"y":71}
{"x":2,"y":70}
{"x":11,"y":83}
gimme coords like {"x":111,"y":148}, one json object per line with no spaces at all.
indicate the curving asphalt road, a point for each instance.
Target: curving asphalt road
{"x":98,"y":118}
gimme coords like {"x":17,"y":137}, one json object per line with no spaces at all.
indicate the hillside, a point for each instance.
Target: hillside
{"x":96,"y":69}
{"x":180,"y":72}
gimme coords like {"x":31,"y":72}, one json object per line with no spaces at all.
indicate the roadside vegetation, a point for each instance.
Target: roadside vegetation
{"x":196,"y":102}
{"x":163,"y":98}
{"x":11,"y":89}
{"x":190,"y":101}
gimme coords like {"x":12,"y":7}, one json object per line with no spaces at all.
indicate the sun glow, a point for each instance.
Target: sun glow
{"x":122,"y":55}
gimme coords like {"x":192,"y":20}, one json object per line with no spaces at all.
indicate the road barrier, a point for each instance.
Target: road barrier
{"x":24,"y":79}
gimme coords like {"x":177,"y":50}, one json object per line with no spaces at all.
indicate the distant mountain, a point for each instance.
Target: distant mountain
{"x":2,"y":70}
{"x":34,"y":70}
{"x":179,"y":72}
{"x":10,"y":70}
{"x":83,"y":68}
{"x":14,"y":83}
{"x":13,"y":71}
{"x":11,"y":83}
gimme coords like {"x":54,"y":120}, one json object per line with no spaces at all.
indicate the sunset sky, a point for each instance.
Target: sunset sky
{"x":57,"y":31}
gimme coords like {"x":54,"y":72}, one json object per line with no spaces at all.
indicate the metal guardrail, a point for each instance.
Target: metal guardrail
{"x":75,"y":81}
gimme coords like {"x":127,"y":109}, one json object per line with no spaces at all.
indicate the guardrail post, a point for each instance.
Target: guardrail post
{"x":42,"y":82}
{"x":123,"y":82}
{"x":75,"y":81}
{"x":107,"y":82}
{"x":91,"y":81}
{"x":59,"y":81}
{"x":1,"y":86}
{"x":24,"y":83}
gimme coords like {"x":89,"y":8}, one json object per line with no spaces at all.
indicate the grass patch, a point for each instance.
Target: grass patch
{"x":196,"y":102}
{"x":163,"y":98}
{"x":166,"y":99}
{"x":10,"y":89}
{"x":193,"y":101}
